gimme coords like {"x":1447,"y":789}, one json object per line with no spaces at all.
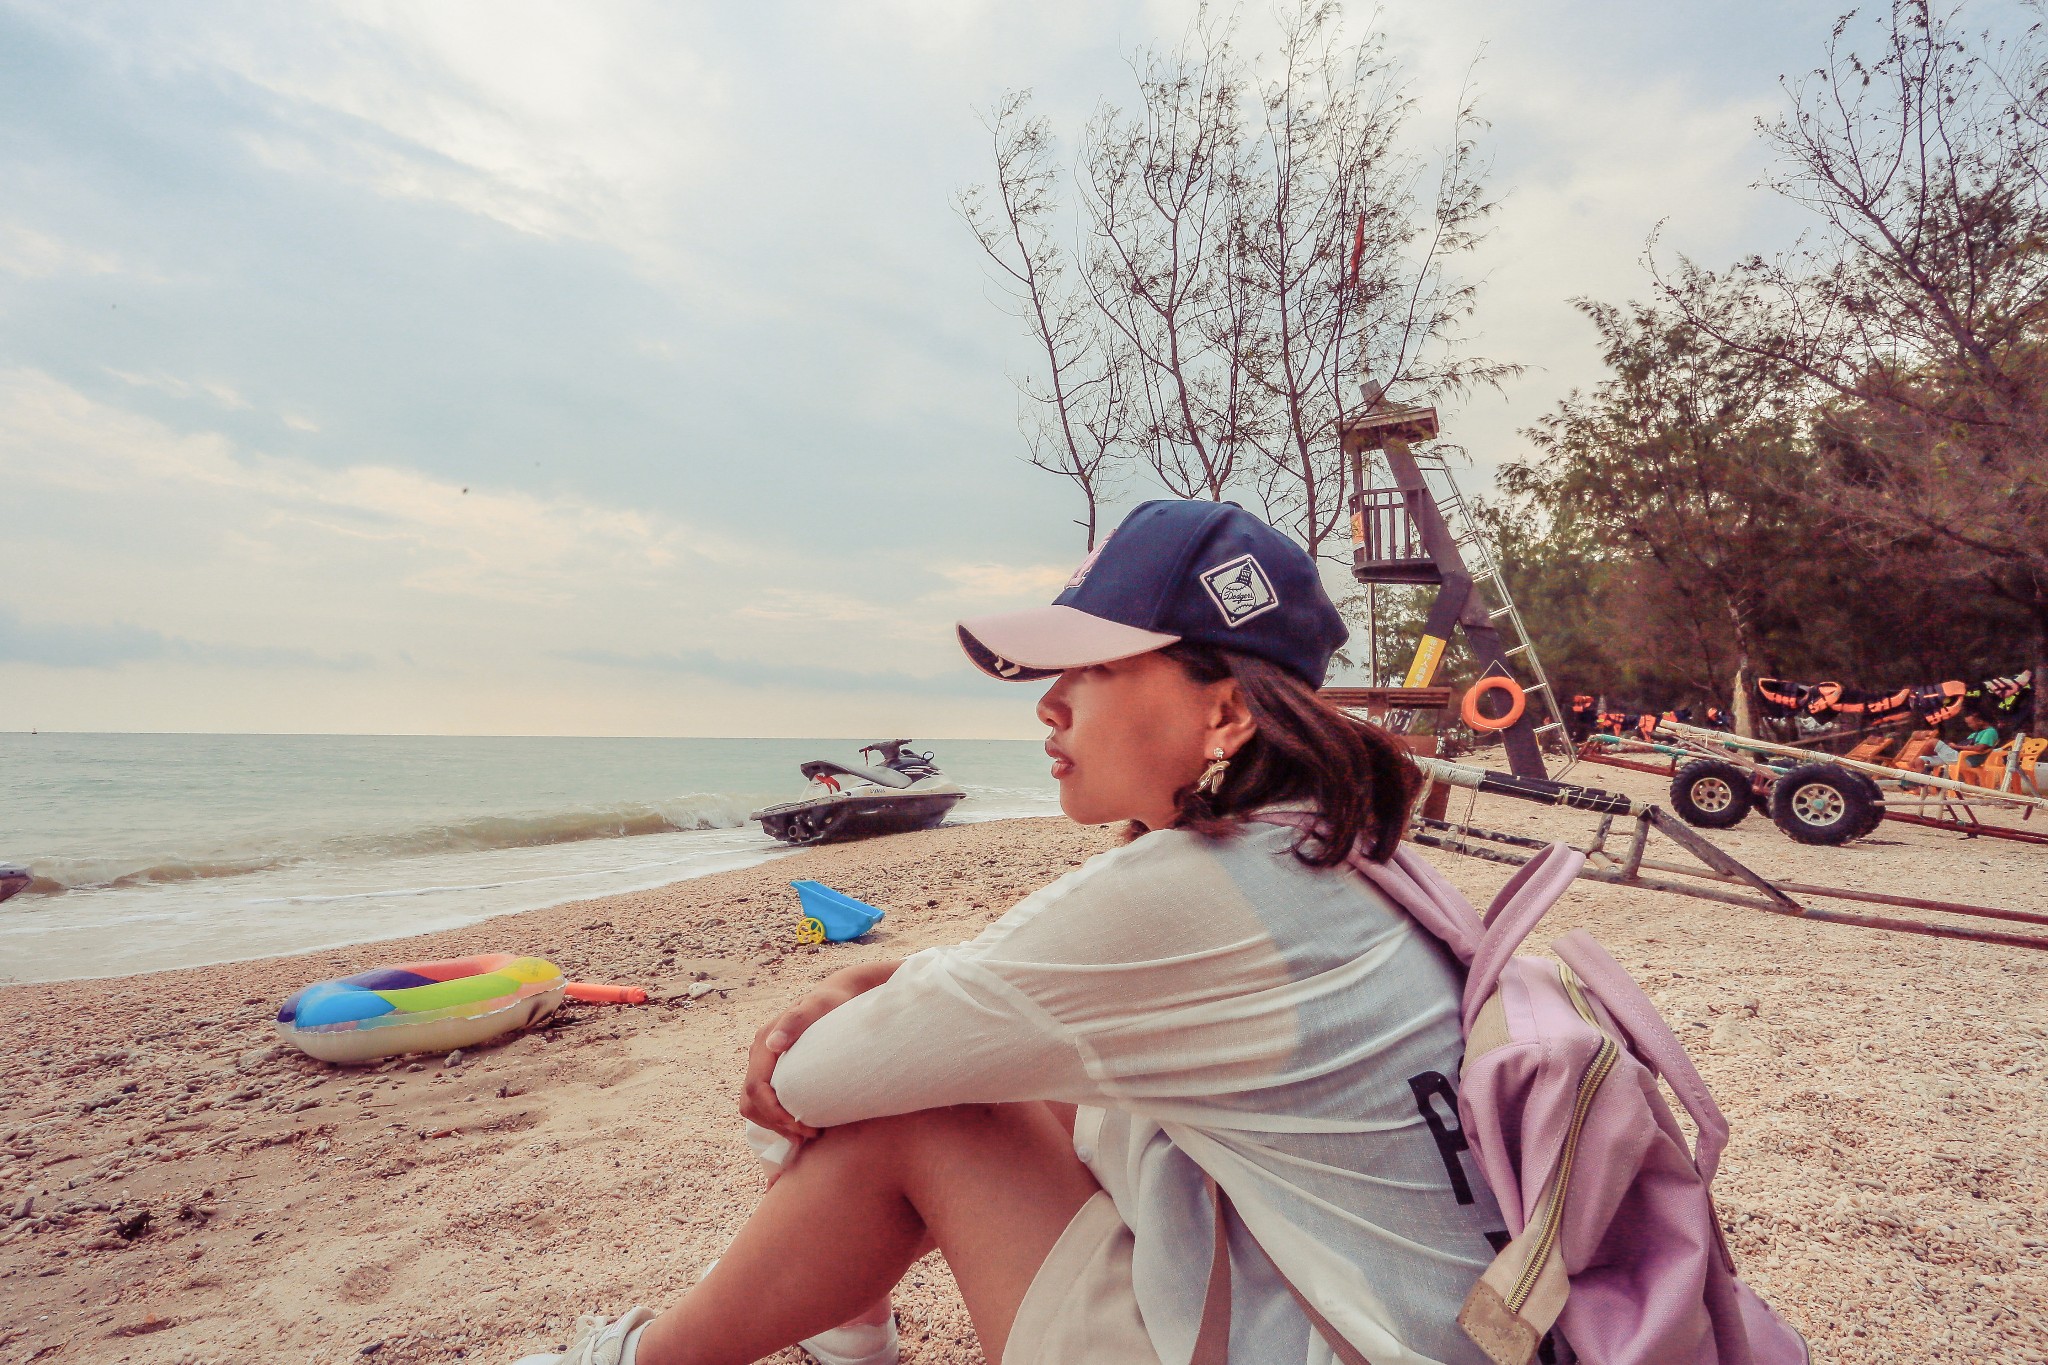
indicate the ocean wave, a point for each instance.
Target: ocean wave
{"x":55,"y":876}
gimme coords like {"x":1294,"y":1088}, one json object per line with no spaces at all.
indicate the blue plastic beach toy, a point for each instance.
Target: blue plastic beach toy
{"x":838,"y":916}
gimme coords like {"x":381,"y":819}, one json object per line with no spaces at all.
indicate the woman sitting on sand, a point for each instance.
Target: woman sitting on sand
{"x":1219,"y":998}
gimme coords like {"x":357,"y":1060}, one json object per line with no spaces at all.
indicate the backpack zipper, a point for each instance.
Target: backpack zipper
{"x":1552,"y":1217}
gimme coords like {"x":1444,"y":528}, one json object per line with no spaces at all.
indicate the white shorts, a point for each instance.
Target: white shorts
{"x":1081,"y":1308}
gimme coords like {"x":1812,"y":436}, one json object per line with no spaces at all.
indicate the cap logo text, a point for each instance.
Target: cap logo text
{"x":1240,"y":590}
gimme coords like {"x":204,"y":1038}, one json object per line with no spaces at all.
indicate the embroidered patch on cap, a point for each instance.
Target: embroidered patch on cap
{"x":1081,"y":574}
{"x":1240,"y":589}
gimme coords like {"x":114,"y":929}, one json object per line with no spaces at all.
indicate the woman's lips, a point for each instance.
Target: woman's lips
{"x":1061,"y":764}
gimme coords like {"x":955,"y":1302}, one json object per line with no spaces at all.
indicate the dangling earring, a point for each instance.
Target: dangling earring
{"x":1211,"y":780}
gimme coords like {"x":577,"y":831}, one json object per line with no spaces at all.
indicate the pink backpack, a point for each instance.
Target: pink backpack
{"x":1615,"y":1238}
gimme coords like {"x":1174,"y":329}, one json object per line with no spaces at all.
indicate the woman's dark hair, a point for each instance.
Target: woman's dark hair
{"x":1357,"y":777}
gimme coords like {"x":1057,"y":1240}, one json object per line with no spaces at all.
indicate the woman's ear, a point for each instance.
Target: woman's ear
{"x":1231,"y":726}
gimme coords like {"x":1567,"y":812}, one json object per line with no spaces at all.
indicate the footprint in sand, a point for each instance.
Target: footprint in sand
{"x":366,"y":1283}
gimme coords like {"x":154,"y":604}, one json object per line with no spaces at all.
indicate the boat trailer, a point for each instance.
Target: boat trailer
{"x":1716,"y":876}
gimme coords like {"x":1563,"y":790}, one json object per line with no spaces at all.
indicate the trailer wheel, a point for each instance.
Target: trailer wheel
{"x":1711,"y":794}
{"x":1876,"y":795}
{"x":1818,"y":803}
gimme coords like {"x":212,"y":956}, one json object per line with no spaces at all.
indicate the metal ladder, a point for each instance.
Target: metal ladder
{"x":1484,"y":567}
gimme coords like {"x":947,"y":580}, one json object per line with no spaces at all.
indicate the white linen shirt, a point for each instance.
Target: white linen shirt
{"x":1219,"y":1006}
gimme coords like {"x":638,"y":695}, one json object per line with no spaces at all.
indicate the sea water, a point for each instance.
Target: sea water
{"x":158,"y":851}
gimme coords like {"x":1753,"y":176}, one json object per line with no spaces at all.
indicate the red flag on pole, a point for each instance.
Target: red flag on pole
{"x":1357,"y":250}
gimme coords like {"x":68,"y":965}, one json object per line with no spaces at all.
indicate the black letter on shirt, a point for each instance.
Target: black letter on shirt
{"x":1450,"y":1138}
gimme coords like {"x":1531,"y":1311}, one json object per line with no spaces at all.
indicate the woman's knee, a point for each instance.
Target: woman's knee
{"x":914,"y":1145}
{"x":952,"y":1125}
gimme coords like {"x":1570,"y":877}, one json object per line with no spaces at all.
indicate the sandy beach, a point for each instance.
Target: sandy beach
{"x":176,"y":1187}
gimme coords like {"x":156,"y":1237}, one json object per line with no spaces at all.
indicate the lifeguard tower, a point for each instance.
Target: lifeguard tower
{"x":1402,"y":536}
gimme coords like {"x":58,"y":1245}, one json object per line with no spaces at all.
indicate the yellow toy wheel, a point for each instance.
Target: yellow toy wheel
{"x":810,"y":931}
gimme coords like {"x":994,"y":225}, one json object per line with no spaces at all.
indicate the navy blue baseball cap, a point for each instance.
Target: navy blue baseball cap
{"x":1207,"y":572}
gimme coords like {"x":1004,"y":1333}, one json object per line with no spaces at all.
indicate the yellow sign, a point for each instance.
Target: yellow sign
{"x":1357,"y":529}
{"x":1428,"y":655}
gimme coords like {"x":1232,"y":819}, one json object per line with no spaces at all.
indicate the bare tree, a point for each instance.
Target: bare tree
{"x":1242,"y":241}
{"x":1915,"y":313}
{"x":1079,"y":408}
{"x":1321,"y":185}
{"x":1336,"y":251}
{"x":1159,"y":190}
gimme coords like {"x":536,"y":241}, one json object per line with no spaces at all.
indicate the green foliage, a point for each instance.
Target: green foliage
{"x":1671,"y":530}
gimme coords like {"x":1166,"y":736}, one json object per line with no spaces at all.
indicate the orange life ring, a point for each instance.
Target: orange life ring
{"x":1518,"y":701}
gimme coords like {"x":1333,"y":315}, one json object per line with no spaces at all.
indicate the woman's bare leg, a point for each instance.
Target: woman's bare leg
{"x":992,"y":1186}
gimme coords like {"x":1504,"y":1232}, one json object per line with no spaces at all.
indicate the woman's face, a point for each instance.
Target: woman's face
{"x":1129,"y":736}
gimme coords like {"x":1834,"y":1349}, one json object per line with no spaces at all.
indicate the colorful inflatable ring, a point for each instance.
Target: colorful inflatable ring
{"x":1517,"y":703}
{"x":421,"y":1007}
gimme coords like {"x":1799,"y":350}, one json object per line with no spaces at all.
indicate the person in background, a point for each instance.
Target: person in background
{"x":1580,"y":719}
{"x":1981,"y":740}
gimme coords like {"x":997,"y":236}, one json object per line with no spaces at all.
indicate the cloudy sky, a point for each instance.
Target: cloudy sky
{"x":620,"y":368}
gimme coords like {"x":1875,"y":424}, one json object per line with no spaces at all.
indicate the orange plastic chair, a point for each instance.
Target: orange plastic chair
{"x":1981,"y":767}
{"x":2015,"y":760}
{"x":1912,"y":754}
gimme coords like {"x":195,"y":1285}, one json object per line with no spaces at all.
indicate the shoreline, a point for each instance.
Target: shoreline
{"x":717,"y":865}
{"x":1884,"y":1188}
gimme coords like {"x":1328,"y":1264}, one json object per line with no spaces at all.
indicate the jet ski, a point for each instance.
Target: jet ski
{"x":903,"y":791}
{"x":13,"y":879}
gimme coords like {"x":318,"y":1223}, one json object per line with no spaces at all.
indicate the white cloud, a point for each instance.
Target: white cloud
{"x":38,"y":255}
{"x":222,"y":395}
{"x":505,"y":545}
{"x":185,"y":535}
{"x":805,"y":605}
{"x":1000,"y":583}
{"x":548,"y":118}
{"x":556,"y":119}
{"x":1592,"y":165}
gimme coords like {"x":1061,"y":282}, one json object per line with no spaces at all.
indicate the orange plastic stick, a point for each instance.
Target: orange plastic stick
{"x":592,"y":992}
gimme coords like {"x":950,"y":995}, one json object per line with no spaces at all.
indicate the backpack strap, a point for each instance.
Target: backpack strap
{"x":1654,"y":1042}
{"x":1425,"y":897}
{"x":1515,"y":911}
{"x":1212,"y":1343}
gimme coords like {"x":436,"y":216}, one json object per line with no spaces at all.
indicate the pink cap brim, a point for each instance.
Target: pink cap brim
{"x":1019,"y":646}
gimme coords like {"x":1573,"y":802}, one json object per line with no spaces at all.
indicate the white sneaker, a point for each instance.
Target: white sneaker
{"x":597,"y":1341}
{"x":857,"y":1343}
{"x":853,"y":1343}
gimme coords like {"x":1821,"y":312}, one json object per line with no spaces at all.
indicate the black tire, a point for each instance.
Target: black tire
{"x":1819,"y":803}
{"x":1876,"y":794}
{"x":1711,"y":794}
